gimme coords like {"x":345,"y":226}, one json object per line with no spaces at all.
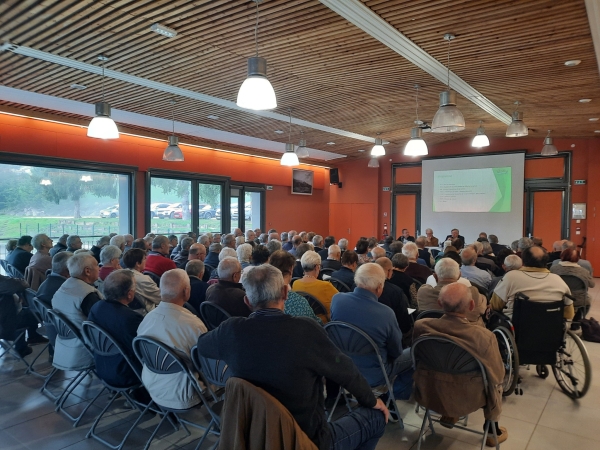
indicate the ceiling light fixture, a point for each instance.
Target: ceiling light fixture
{"x":302,"y":151}
{"x":517,"y":128}
{"x":45,"y":182}
{"x":593,"y":119}
{"x":373,"y":163}
{"x":290,"y":158}
{"x":165,"y":31}
{"x":378,"y":149}
{"x":256,"y":91}
{"x":448,"y":118}
{"x":585,"y":100}
{"x":572,"y":62}
{"x":78,"y":86}
{"x":102,"y":126}
{"x":480,"y":139}
{"x":173,"y":152}
{"x":85,"y":178}
{"x":549,"y":149}
{"x":416,"y":146}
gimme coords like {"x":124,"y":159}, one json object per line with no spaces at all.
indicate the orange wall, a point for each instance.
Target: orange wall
{"x":36,"y":137}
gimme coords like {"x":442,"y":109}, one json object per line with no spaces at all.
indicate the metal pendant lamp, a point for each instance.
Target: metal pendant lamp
{"x":448,"y":118}
{"x":416,"y":146}
{"x":302,"y":151}
{"x":480,"y":140}
{"x":173,"y":152}
{"x":378,"y":149}
{"x":256,"y":91}
{"x":549,"y":149}
{"x":290,"y":158}
{"x":102,"y":126}
{"x":373,"y":162}
{"x":517,"y":127}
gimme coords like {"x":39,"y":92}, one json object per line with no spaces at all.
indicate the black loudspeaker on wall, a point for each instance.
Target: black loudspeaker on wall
{"x":334,"y":176}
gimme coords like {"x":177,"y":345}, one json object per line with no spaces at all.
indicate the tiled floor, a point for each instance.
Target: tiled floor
{"x":543,"y":418}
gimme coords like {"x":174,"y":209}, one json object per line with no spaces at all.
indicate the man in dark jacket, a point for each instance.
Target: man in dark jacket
{"x":195,"y":270}
{"x":60,"y":246}
{"x":20,"y":256}
{"x":228,"y":293}
{"x":349,"y":265}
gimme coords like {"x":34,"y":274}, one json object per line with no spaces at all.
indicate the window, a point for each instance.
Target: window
{"x":209,"y":202}
{"x":170,"y":209}
{"x":55,"y":200}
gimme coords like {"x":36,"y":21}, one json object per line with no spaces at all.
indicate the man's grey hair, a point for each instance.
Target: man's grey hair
{"x":468,"y":256}
{"x":263,"y":238}
{"x":273,"y":246}
{"x":60,"y":260}
{"x":369,"y":276}
{"x":333,"y":248}
{"x":447,"y":269}
{"x":493,"y":239}
{"x":108,"y":253}
{"x":513,"y":262}
{"x":284,"y":236}
{"x":71,"y":239}
{"x":428,"y":230}
{"x":400,"y":261}
{"x":514,"y":245}
{"x":478,"y":246}
{"x":250,"y":233}
{"x":186,"y":243}
{"x":411,"y":250}
{"x":227,"y":267}
{"x":263,"y":285}
{"x":524,"y":243}
{"x":228,"y":240}
{"x":421,"y":241}
{"x":118,"y":284}
{"x":78,"y":262}
{"x":569,"y":244}
{"x":104,"y":240}
{"x":203,"y":240}
{"x":239,"y":240}
{"x":215,"y":247}
{"x":118,"y":240}
{"x":447,"y":244}
{"x":195,"y":268}
{"x":38,"y":240}
{"x":378,"y":252}
{"x":227,"y":252}
{"x":159,"y":241}
{"x":487,"y":248}
{"x":128,"y":239}
{"x":172,"y":284}
{"x":63,"y":239}
{"x":310,"y":260}
{"x":317,"y":240}
{"x":244,"y":253}
{"x":274,"y":236}
{"x":343,"y":243}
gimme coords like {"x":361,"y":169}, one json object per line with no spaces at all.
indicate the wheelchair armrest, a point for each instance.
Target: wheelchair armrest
{"x":570,"y":296}
{"x":521,"y":296}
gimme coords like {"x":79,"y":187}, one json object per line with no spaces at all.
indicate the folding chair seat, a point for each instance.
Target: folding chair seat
{"x":212,"y":315}
{"x":161,"y":359}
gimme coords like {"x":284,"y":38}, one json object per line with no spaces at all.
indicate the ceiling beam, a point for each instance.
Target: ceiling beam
{"x":355,"y":12}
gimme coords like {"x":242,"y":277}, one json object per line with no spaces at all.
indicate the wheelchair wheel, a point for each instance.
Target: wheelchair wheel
{"x":542,"y":371}
{"x":510,"y":358}
{"x":573,"y":370}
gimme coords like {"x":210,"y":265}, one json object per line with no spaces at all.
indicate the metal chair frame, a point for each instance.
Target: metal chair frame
{"x":214,"y":371}
{"x":340,"y":284}
{"x":37,"y":309}
{"x":314,"y":303}
{"x":212,"y":315}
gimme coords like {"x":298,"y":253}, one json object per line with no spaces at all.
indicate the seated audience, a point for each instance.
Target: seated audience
{"x":582,"y":262}
{"x":121,"y":323}
{"x":343,"y":244}
{"x":296,"y":241}
{"x":205,"y":241}
{"x":405,"y":237}
{"x":20,"y":256}
{"x":128,"y":241}
{"x":455,"y":234}
{"x":317,"y":242}
{"x":175,"y":326}
{"x":158,"y":261}
{"x":41,"y":260}
{"x":362,"y":250}
{"x":386,"y":243}
{"x":289,"y":357}
{"x":118,"y":240}
{"x":195,"y":270}
{"x":404,"y":281}
{"x":457,"y":303}
{"x":568,"y":265}
{"x":511,"y":262}
{"x":228,"y":293}
{"x":424,"y":254}
{"x":147,"y":292}
{"x":300,"y":250}
{"x":244,"y":253}
{"x":418,"y":271}
{"x":496,"y":247}
{"x":140,"y":244}
{"x":273,"y":245}
{"x":74,"y":243}
{"x":289,"y":244}
{"x":295,"y":304}
{"x":470,"y":272}
{"x":321,"y":290}
{"x":485,"y":262}
{"x":213,"y":255}
{"x":110,"y":258}
{"x":377,"y":252}
{"x":60,"y":246}
{"x":228,"y":240}
{"x":333,"y":258}
{"x":239,"y":240}
{"x":396,"y":247}
{"x":362,"y":309}
{"x":251,"y":235}
{"x":448,"y":272}
{"x":430,"y":239}
{"x":59,"y":274}
{"x":533,"y":280}
{"x":97,"y":248}
{"x":394,"y":297}
{"x":197,"y":251}
{"x":272,"y":236}
{"x":556,"y":251}
{"x":345,"y":274}
{"x":181,"y":258}
{"x":10,"y":246}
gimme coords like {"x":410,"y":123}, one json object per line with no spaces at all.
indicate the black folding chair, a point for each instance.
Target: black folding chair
{"x":67,"y":331}
{"x":214,"y":371}
{"x":36,"y":308}
{"x":212,"y":315}
{"x":4,"y":266}
{"x":14,"y":272}
{"x":161,"y":359}
{"x":355,"y":343}
{"x":8,"y":339}
{"x":316,"y":305}
{"x":579,"y":291}
{"x":430,"y":314}
{"x":154,"y":277}
{"x":42,"y":312}
{"x":325,"y":271}
{"x":340,"y":285}
{"x":443,"y":355}
{"x":191,"y":309}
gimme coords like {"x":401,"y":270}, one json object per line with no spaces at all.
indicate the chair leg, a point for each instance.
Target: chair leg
{"x":487,"y":425}
{"x":206,"y":433}
{"x":337,"y":399}
{"x":428,"y":414}
{"x":72,"y":385}
{"x":45,"y":389}
{"x":422,"y":431}
{"x":156,"y":430}
{"x":30,"y":369}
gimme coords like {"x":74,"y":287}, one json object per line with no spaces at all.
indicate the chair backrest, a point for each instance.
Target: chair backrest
{"x":539,"y":329}
{"x":574,"y":283}
{"x":326,"y":271}
{"x":389,"y":254}
{"x":417,"y":284}
{"x":340,"y":285}
{"x":41,"y":309}
{"x":294,"y":279}
{"x":316,"y":305}
{"x":29,"y":296}
{"x":215,"y":371}
{"x":212,"y":315}
{"x":4,"y":266}
{"x":191,"y":309}
{"x":65,"y":329}
{"x":154,"y":277}
{"x":103,"y":344}
{"x":208,"y":268}
{"x":156,"y":356}
{"x":14,"y":272}
{"x":483,"y":291}
{"x":430,"y":314}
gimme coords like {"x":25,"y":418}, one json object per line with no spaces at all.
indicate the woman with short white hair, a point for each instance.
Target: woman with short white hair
{"x":244,"y":253}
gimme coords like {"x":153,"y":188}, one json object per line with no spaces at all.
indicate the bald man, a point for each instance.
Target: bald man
{"x":175,"y":326}
{"x":459,"y":396}
{"x":393,"y":296}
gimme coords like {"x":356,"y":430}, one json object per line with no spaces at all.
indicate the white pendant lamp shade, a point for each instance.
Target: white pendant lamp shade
{"x":173,"y":152}
{"x":480,"y":139}
{"x":102,"y":126}
{"x":378,"y":149}
{"x":289,"y":158}
{"x":256,"y":91}
{"x":448,"y":118}
{"x":302,"y":151}
{"x":416,"y":146}
{"x":517,"y":128}
{"x":373,"y":163}
{"x":549,"y":149}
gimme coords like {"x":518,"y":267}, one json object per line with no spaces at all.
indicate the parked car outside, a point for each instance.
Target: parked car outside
{"x":207,"y":212}
{"x":154,"y":207}
{"x":111,"y":212}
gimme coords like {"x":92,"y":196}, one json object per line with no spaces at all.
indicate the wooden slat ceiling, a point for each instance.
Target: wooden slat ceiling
{"x":324,"y":68}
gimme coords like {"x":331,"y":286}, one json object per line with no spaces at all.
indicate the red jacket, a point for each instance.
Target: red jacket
{"x":158,"y":263}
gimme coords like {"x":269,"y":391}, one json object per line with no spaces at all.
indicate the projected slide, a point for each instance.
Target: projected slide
{"x":472,"y":190}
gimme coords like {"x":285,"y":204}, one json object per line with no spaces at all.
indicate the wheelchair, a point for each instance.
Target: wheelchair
{"x":504,"y":331}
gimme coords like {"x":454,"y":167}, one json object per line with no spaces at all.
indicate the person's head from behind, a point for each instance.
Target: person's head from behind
{"x":63,"y":239}
{"x":421,"y":241}
{"x":197,"y":251}
{"x":195,"y":268}
{"x":119,"y":286}
{"x":239,"y":240}
{"x":59,"y":263}
{"x":260,"y":255}
{"x":310,"y":261}
{"x":160,"y":244}
{"x":483,"y":235}
{"x":456,"y":299}
{"x":411,"y":251}
{"x":569,"y":255}
{"x":186,"y":243}
{"x":296,"y":241}
{"x":535,"y":257}
{"x":11,"y":244}
{"x":371,"y":277}
{"x":378,"y":252}
{"x":468,"y":256}
{"x":317,"y":240}
{"x":329,"y":240}
{"x":447,"y":270}
{"x":487,"y":248}
{"x":135,"y":259}
{"x":396,"y":247}
{"x":265,"y":288}
{"x":512,"y":262}
{"x":524,"y":243}
{"x":478,"y":246}
{"x":215,"y":248}
{"x":24,"y":243}
{"x":110,"y":255}
{"x":400,"y":261}
{"x":74,"y":242}
{"x":244,"y":253}
{"x":230,"y":269}
{"x":302,"y":249}
{"x":118,"y":240}
{"x":343,"y":243}
{"x":334,"y":252}
{"x":284,"y":261}
{"x":204,"y":240}
{"x":140,"y":244}
{"x":350,"y":260}
{"x":273,"y":246}
{"x":568,"y":244}
{"x":227,"y":252}
{"x":175,"y":287}
{"x":493,"y":239}
{"x":386,"y":265}
{"x":362,"y":246}
{"x":84,"y":267}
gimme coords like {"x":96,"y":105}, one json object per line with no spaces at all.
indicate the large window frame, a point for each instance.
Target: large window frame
{"x":244,"y":188}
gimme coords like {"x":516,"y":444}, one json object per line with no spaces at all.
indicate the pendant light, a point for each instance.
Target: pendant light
{"x":480,"y":139}
{"x":302,"y":151}
{"x":517,"y":128}
{"x":173,"y":152}
{"x":373,"y":162}
{"x":448,"y":118}
{"x":256,"y":91}
{"x":290,"y":158}
{"x":378,"y":149}
{"x":549,"y":149}
{"x":102,"y":126}
{"x":416,"y":146}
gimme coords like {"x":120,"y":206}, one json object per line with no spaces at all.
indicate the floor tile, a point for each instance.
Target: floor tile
{"x":545,"y":438}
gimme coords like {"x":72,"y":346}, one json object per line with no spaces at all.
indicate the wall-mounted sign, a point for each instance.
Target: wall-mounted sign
{"x":579,"y":210}
{"x":386,"y":189}
{"x":269,"y":188}
{"x":580,"y":181}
